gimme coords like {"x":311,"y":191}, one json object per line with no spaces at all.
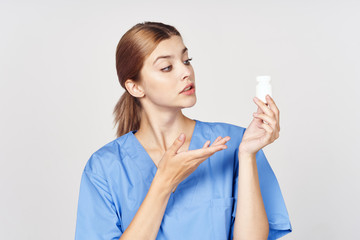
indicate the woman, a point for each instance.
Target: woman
{"x":167,"y":176}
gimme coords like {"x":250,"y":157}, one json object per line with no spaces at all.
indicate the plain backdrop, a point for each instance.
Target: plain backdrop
{"x":58,"y":88}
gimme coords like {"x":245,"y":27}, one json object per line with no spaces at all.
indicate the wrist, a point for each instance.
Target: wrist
{"x":247,"y":157}
{"x":162,"y":182}
{"x":244,"y":154}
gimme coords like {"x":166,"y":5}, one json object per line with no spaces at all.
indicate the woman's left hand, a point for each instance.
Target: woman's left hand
{"x":258,"y":134}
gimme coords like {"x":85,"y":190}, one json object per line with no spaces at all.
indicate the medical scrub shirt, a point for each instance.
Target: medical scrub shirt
{"x":118,"y":176}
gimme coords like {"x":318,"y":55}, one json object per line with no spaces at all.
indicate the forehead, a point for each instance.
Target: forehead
{"x":171,"y":46}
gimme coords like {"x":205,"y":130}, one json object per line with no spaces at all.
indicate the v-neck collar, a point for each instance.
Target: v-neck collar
{"x":146,"y":164}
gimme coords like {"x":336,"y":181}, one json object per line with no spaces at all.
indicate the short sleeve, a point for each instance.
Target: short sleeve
{"x":96,"y":214}
{"x":279,"y":222}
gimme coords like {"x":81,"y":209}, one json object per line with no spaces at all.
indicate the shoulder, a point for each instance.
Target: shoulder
{"x":107,"y":157}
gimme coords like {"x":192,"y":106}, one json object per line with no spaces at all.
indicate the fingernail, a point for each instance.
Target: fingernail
{"x":181,"y":137}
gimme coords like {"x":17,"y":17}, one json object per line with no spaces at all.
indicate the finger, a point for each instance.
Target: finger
{"x":273,"y":106}
{"x":269,"y":131}
{"x":258,"y":120}
{"x":217,"y":139}
{"x":205,"y":150}
{"x":263,"y":107}
{"x":225,"y":140}
{"x":259,"y":110}
{"x":275,"y":109}
{"x":201,"y":157}
{"x":207,"y":143}
{"x":266,"y":118}
{"x":221,"y":140}
{"x":202,"y":152}
{"x":179,"y":141}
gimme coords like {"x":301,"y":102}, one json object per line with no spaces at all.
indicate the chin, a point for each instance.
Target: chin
{"x":189,"y":103}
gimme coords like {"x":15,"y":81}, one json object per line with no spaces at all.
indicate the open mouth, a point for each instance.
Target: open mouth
{"x":189,"y":87}
{"x":186,"y":89}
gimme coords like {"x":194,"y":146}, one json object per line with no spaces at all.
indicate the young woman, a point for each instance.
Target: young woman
{"x":171,"y":177}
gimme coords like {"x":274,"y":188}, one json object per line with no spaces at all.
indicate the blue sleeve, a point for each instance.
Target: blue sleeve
{"x":279,"y":222}
{"x":96,"y":214}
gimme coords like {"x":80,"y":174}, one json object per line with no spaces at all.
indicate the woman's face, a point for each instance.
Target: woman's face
{"x":163,"y":78}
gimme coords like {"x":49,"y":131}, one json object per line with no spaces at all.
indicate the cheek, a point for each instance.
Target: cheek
{"x":162,"y":91}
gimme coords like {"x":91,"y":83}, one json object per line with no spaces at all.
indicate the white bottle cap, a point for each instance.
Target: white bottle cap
{"x":263,"y":78}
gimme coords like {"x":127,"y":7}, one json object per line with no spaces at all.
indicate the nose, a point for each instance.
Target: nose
{"x":186,"y":72}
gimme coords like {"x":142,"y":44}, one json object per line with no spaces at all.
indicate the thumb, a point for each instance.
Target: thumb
{"x":259,"y":110}
{"x":177,"y":144}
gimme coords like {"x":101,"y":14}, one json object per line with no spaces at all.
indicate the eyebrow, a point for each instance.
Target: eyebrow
{"x":169,"y":56}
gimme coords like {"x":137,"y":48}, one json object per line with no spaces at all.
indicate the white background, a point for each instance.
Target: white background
{"x":58,"y":88}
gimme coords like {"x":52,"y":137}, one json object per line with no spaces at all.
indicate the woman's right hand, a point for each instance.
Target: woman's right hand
{"x":175,"y":167}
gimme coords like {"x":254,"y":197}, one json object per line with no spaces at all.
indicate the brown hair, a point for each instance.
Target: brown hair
{"x":134,"y":46}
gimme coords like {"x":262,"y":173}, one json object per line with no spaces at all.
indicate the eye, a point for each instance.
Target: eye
{"x":168,"y":68}
{"x":165,"y":69}
{"x":188,"y":61}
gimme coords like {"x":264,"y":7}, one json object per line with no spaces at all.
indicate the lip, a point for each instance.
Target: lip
{"x":190,"y":84}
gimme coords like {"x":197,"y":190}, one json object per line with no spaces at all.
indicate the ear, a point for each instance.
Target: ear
{"x":135,"y":89}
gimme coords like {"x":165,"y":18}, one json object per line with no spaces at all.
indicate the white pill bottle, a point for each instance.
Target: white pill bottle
{"x":263,"y":87}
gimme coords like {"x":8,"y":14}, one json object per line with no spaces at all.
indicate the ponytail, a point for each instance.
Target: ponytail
{"x":127,"y":114}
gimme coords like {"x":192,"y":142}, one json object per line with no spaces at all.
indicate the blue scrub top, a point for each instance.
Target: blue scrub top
{"x":118,"y":176}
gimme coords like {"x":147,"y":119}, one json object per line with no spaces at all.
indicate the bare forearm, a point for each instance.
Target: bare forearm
{"x":251,"y":221}
{"x":147,"y":220}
